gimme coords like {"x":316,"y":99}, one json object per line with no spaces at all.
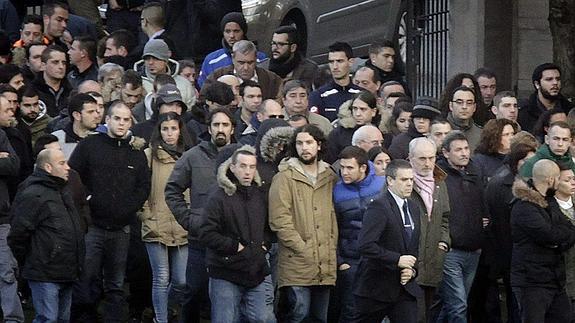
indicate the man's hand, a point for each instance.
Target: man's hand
{"x":4,"y":154}
{"x":406,"y":275}
{"x":240,"y":246}
{"x":485,"y":222}
{"x":443,"y":246}
{"x":406,"y":261}
{"x":344,"y":267}
{"x":114,"y":5}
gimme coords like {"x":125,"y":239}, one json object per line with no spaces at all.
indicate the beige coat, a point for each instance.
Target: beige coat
{"x":303,"y":217}
{"x":158,"y":223}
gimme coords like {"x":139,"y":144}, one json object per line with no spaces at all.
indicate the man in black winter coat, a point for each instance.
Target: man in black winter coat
{"x":115,"y":171}
{"x":237,"y":236}
{"x":541,"y":235}
{"x":47,"y":233}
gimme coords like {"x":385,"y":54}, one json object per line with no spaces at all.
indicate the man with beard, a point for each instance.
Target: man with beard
{"x":195,"y":171}
{"x":287,"y":61}
{"x":234,"y":28}
{"x":302,"y":214}
{"x":546,"y":79}
{"x":541,"y":235}
{"x":51,"y":84}
{"x":85,"y":116}
{"x":32,"y":113}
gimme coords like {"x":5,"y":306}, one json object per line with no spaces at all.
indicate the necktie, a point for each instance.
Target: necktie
{"x":407,"y":226}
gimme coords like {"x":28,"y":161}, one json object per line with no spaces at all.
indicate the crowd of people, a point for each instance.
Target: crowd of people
{"x":136,"y":185}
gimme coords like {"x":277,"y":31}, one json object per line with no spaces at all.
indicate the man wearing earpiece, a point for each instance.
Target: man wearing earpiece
{"x":546,"y":79}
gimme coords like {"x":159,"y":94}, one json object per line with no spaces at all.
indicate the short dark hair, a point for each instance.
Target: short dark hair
{"x":7,"y":88}
{"x":186,"y":63}
{"x":218,"y":92}
{"x":241,"y":151}
{"x":313,"y":131}
{"x":124,"y":38}
{"x":560,"y":124}
{"x":394,"y":166}
{"x":461,"y":88}
{"x":291,"y":31}
{"x":131,"y":77}
{"x":538,"y":71}
{"x":341,"y":47}
{"x":113,"y":106}
{"x":451,"y":137}
{"x":158,"y":18}
{"x":49,"y":7}
{"x":76,"y":103}
{"x":49,"y":50}
{"x":27,"y":91}
{"x":88,"y":44}
{"x":376,"y":150}
{"x":377,"y":46}
{"x":223,"y":110}
{"x":359,"y":154}
{"x":27,"y":48}
{"x":294,"y":84}
{"x":32,"y":19}
{"x":7,"y":72}
{"x":42,"y":141}
{"x":161,"y":80}
{"x":484,"y":72}
{"x":503,"y":94}
{"x":248,"y":83}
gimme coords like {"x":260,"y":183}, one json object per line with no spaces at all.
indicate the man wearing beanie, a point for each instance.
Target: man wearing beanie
{"x":425,"y":110}
{"x":155,"y":61}
{"x":234,"y":28}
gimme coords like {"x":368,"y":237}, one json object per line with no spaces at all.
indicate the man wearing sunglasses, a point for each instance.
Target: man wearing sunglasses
{"x":269,"y":109}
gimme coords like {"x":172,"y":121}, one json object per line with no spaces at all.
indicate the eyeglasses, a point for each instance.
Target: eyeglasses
{"x":463,"y":103}
{"x":279,"y":44}
{"x":276,"y":116}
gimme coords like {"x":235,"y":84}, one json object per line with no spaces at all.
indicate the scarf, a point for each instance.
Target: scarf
{"x":426,"y":185}
{"x":459,"y":124}
{"x":283,"y":68}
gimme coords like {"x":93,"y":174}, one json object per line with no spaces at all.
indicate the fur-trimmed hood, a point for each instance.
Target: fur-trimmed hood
{"x":525,"y":192}
{"x":273,"y":141}
{"x":224,"y":175}
{"x":346,"y":120}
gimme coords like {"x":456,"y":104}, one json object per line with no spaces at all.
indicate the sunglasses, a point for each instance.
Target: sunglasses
{"x":276,"y":116}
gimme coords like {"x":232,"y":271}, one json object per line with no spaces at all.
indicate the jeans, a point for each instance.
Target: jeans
{"x":9,"y":298}
{"x":232,"y":302}
{"x":52,"y":301}
{"x":106,"y":256}
{"x":344,"y":289}
{"x":196,"y":293}
{"x":168,"y":274}
{"x":458,"y":273}
{"x":307,"y":303}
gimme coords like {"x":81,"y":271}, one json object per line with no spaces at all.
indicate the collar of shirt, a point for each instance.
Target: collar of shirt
{"x":157,"y":33}
{"x":565,"y":204}
{"x":254,"y":78}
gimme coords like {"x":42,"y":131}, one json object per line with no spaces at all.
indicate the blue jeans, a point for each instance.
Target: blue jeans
{"x":458,"y":273}
{"x":52,"y":301}
{"x":232,"y":302}
{"x":106,"y":257}
{"x":307,"y":303}
{"x":344,"y":289}
{"x":196,"y":293}
{"x":168,"y":274}
{"x":9,"y":298}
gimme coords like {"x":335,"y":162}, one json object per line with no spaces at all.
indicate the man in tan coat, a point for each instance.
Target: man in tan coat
{"x":302,"y":215}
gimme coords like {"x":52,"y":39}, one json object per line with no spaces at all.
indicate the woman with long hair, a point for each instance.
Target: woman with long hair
{"x":164,"y":238}
{"x":494,"y":145}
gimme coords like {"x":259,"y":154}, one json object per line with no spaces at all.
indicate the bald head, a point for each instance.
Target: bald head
{"x":545,"y":169}
{"x":269,"y":109}
{"x":44,"y":158}
{"x":366,"y":137}
{"x":89,"y":86}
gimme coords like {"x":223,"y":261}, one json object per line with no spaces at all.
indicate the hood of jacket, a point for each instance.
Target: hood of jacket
{"x":295,"y":164}
{"x":142,"y":69}
{"x":526,"y":192}
{"x":274,"y":141}
{"x":137,"y":143}
{"x":225,"y":177}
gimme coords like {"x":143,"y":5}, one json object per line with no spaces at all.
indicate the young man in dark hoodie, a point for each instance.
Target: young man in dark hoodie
{"x":238,"y":269}
{"x":115,"y":171}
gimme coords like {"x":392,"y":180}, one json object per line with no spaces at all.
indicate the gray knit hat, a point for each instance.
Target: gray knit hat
{"x":426,"y":107}
{"x":157,"y":48}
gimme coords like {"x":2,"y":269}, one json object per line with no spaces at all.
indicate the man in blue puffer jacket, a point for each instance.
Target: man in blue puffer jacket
{"x":357,"y":187}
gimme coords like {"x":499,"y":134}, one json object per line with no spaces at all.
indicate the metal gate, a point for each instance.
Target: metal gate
{"x":427,"y":46}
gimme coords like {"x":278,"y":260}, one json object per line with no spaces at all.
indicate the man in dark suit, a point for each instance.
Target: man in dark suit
{"x":388,"y":244}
